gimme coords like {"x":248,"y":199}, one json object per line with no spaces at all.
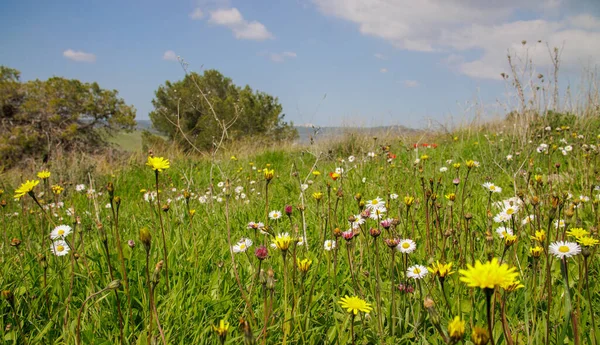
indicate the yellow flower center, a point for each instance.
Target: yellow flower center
{"x":60,"y":248}
{"x":510,"y":211}
{"x":374,"y":202}
{"x":492,"y":187}
{"x":61,"y":232}
{"x":416,"y":270}
{"x":243,"y":246}
{"x":563,"y":249}
{"x":405,"y":245}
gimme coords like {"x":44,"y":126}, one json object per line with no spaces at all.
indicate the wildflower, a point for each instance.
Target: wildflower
{"x":509,"y":158}
{"x":456,"y":166}
{"x":371,"y":154}
{"x":559,"y":223}
{"x":563,"y":249}
{"x":56,"y":189}
{"x":316,"y":173}
{"x":509,"y":240}
{"x":536,"y":251}
{"x":530,"y":218}
{"x":44,"y":174}
{"x":377,"y":213}
{"x":354,"y":304}
{"x":275,"y":215}
{"x":488,"y":275}
{"x":60,"y":248}
{"x":587,"y":241}
{"x":511,"y":287}
{"x":334,"y":175}
{"x":540,"y":236}
{"x":577,"y":232}
{"x":329,"y":245}
{"x":443,"y":169}
{"x":348,"y":235}
{"x":441,"y":270}
{"x":409,"y":200}
{"x":26,"y":188}
{"x":351,"y":159}
{"x":242,"y":245}
{"x":472,"y":164}
{"x":158,"y":164}
{"x":393,"y":196}
{"x":480,"y":336}
{"x":317,"y":196}
{"x":456,"y":329}
{"x":282,"y":241}
{"x":288,"y":210}
{"x":357,"y":222}
{"x":406,"y":246}
{"x":510,"y":210}
{"x":261,"y":252}
{"x":492,"y":188}
{"x":451,"y":197}
{"x":269,"y":174}
{"x":60,"y":231}
{"x":221,"y":330}
{"x":80,"y":187}
{"x":303,"y":265}
{"x":375,"y":203}
{"x":387,"y":223}
{"x":416,"y":272}
{"x":501,"y":217}
{"x":503,"y":231}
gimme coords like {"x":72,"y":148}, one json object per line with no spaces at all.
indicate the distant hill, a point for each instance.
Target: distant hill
{"x":306,"y":131}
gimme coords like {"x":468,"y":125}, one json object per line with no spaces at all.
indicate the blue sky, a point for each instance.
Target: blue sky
{"x":378,"y":62}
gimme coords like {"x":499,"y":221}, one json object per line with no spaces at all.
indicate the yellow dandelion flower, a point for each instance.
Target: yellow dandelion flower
{"x":303,"y":265}
{"x":441,"y":270}
{"x":25,"y":188}
{"x":316,"y":173}
{"x":269,"y":174}
{"x":44,"y":174}
{"x":456,"y":329}
{"x":578,"y":232}
{"x":480,"y":336}
{"x":283,"y":241}
{"x":456,"y":165}
{"x":317,"y":196}
{"x":515,"y":285}
{"x":409,"y":200}
{"x":354,"y":304}
{"x":587,"y":241}
{"x":222,"y":328}
{"x":158,"y":163}
{"x":509,"y":239}
{"x":536,"y":251}
{"x":56,"y":189}
{"x":488,"y":275}
{"x":540,"y":236}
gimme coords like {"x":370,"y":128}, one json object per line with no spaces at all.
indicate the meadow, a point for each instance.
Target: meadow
{"x":471,"y":237}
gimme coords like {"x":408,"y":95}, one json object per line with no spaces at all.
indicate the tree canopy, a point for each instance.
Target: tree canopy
{"x":187,"y":103}
{"x":37,"y":117}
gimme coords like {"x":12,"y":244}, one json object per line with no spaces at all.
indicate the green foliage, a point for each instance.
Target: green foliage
{"x":37,"y":117}
{"x":249,"y":113}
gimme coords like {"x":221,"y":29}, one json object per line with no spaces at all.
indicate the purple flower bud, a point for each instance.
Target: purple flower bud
{"x":456,"y":181}
{"x":288,"y":210}
{"x":348,"y":235}
{"x":386,"y":223}
{"x":131,"y":243}
{"x":261,"y":252}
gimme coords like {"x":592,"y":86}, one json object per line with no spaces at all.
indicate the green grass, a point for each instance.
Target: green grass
{"x":203,"y":285}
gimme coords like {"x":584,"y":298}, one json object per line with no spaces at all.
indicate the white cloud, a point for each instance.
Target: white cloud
{"x":410,"y":83}
{"x":380,"y":56}
{"x":79,"y":56}
{"x":197,"y":14}
{"x":170,"y":55}
{"x":383,"y":70}
{"x":475,"y":35}
{"x":241,"y":28}
{"x":281,"y":57}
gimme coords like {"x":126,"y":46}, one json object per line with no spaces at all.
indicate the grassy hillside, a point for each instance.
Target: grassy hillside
{"x":188,"y":256}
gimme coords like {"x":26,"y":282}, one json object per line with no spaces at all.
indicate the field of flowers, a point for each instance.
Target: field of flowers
{"x":477,"y":239}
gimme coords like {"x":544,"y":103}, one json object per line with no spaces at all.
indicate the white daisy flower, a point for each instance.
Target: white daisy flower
{"x":339,"y":171}
{"x":443,"y":169}
{"x":416,"y":272}
{"x":559,"y":223}
{"x":371,"y":154}
{"x":584,"y":198}
{"x":242,"y":245}
{"x":60,"y":231}
{"x":393,"y":196}
{"x":59,"y":248}
{"x":202,"y":199}
{"x":510,"y":210}
{"x":220,"y":184}
{"x":238,"y":189}
{"x":492,"y":188}
{"x":375,"y":203}
{"x":406,"y":246}
{"x":378,"y":213}
{"x":568,"y":148}
{"x":358,"y":221}
{"x":80,"y":187}
{"x":503,"y":231}
{"x":275,"y":215}
{"x":303,"y":187}
{"x":351,"y":159}
{"x":530,"y":218}
{"x":509,"y":158}
{"x":563,"y":249}
{"x":329,"y":245}
{"x":501,"y":217}
{"x":108,"y":205}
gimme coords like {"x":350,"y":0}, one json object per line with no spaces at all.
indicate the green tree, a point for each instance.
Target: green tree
{"x":37,"y":117}
{"x":245,"y":112}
